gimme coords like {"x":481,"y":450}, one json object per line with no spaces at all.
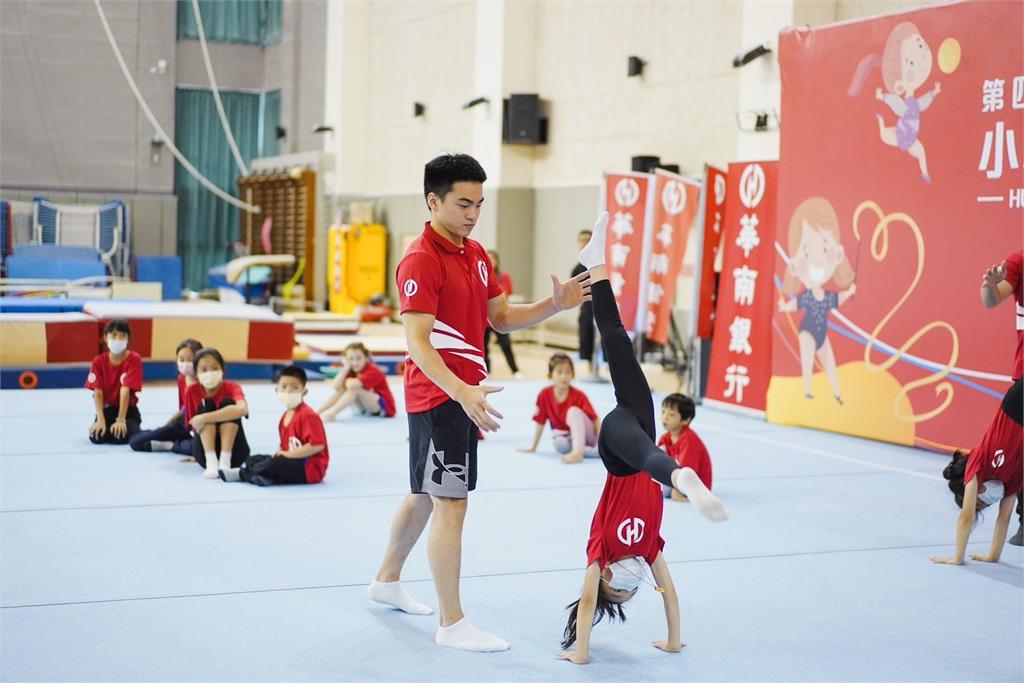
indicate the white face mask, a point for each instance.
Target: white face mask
{"x":117,"y":346}
{"x":211,"y":379}
{"x":290,"y":399}
{"x":993,"y":492}
{"x":186,"y":368}
{"x":627,"y":574}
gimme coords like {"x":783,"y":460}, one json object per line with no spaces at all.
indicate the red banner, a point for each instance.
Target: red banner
{"x":710,"y":236}
{"x":675,"y":206}
{"x":901,"y":174}
{"x":627,"y":199}
{"x":741,"y":346}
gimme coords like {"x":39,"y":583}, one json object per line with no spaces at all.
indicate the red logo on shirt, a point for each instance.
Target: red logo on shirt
{"x":631,"y":530}
{"x":481,"y":268}
{"x":999,"y":459}
{"x":410,"y":287}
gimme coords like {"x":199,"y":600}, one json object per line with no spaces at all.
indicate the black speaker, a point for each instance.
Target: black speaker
{"x":671,"y":168}
{"x":522,"y":122}
{"x":645,"y":163}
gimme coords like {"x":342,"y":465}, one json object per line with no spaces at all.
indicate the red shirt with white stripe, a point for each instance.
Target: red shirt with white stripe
{"x":373,"y":379}
{"x":109,"y":378}
{"x":627,"y":521}
{"x":1014,"y":266}
{"x":306,"y":427}
{"x":689,"y":451}
{"x":452,"y":283}
{"x":551,"y":411}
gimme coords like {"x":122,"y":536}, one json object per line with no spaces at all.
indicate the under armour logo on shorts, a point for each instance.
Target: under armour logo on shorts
{"x":456,"y":469}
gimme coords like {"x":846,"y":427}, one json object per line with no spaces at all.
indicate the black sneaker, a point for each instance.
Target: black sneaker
{"x":260,"y":481}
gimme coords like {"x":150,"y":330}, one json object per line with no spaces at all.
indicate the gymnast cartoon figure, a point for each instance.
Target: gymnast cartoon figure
{"x":816,"y":258}
{"x":906,"y":64}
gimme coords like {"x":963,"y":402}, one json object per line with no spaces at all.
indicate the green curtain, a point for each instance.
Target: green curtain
{"x":271,"y":120}
{"x":207,"y":225}
{"x":255,"y":22}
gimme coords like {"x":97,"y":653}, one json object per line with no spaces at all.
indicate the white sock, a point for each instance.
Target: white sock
{"x":161,"y":445}
{"x":690,"y":485}
{"x":211,"y":465}
{"x":462,"y":635}
{"x":393,"y":594}
{"x":230,"y":474}
{"x":225,"y":460}
{"x":593,"y":254}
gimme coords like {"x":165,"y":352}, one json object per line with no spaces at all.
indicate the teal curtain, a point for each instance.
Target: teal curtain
{"x":207,"y":225}
{"x":271,"y":120}
{"x":255,"y":22}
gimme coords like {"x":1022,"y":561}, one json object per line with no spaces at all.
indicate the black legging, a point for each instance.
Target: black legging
{"x":506,"y":348}
{"x":627,"y":440}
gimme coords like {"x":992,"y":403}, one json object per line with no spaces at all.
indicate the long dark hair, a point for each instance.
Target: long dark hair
{"x":954,"y":473}
{"x":605,"y":608}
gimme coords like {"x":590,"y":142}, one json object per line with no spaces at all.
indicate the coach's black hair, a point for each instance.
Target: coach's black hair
{"x":442,"y":172}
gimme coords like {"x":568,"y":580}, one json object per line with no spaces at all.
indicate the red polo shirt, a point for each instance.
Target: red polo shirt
{"x":627,"y":521}
{"x":452,"y":283}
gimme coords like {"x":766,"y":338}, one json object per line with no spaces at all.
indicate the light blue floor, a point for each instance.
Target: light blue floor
{"x":130,"y":566}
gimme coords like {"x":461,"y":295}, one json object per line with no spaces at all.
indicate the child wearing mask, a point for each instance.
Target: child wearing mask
{"x":214,"y":409}
{"x":115,"y":378}
{"x":174,"y":436}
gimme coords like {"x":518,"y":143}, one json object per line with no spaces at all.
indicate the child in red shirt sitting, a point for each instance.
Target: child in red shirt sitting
{"x":174,"y":435}
{"x":115,"y":378}
{"x":681,"y":443}
{"x":214,"y":409}
{"x":302,"y":457}
{"x":361,"y":384}
{"x":574,"y":423}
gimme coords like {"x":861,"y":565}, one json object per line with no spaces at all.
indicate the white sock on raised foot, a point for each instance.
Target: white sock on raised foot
{"x":211,"y":465}
{"x":593,"y":254}
{"x":392,"y":593}
{"x":462,"y":635}
{"x":690,"y":485}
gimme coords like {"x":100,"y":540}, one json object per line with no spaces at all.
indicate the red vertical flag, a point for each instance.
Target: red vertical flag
{"x":741,"y":348}
{"x":676,"y":200}
{"x":710,"y":236}
{"x":627,"y":197}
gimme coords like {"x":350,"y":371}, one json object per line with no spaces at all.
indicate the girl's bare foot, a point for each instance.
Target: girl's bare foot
{"x":572,"y":457}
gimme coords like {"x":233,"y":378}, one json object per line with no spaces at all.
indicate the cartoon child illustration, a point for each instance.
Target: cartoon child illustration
{"x":906,"y":64}
{"x":816,"y":258}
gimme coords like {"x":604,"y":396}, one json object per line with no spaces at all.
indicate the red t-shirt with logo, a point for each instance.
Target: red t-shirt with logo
{"x":453,"y":284}
{"x":551,"y":411}
{"x":627,"y":521}
{"x":998,"y":456}
{"x":373,"y":379}
{"x":306,"y":427}
{"x":195,"y":394}
{"x":109,"y":378}
{"x":689,"y":451}
{"x":1014,"y":266}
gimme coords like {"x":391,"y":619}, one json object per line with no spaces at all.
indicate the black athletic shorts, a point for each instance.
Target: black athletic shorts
{"x":442,"y":452}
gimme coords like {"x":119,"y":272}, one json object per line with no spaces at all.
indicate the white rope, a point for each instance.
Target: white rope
{"x":159,"y":129}
{"x":216,"y":91}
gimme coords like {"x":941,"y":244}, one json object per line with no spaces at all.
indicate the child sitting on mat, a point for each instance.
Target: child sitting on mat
{"x":115,"y":378}
{"x":302,"y":457}
{"x":681,"y":443}
{"x":174,"y":436}
{"x":214,"y":409}
{"x":574,"y":423}
{"x":360,"y":384}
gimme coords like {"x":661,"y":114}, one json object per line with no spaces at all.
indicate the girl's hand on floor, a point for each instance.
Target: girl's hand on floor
{"x":665,"y":646}
{"x":987,"y":557}
{"x":572,"y":656}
